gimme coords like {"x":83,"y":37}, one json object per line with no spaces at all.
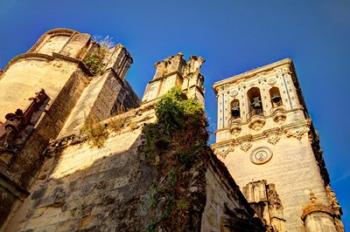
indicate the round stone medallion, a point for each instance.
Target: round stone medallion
{"x":271,"y":81}
{"x":234,"y":93}
{"x":261,"y":155}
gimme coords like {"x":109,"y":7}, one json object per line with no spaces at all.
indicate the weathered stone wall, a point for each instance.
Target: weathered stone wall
{"x":55,"y":64}
{"x":226,"y":209}
{"x":9,"y":193}
{"x":87,"y":189}
{"x":126,"y":173}
{"x":27,"y":76}
{"x":27,"y":161}
{"x":84,"y":188}
{"x":292,"y":168}
{"x":106,"y":95}
{"x":125,"y":101}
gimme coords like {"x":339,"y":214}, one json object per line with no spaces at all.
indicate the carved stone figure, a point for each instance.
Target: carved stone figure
{"x":14,"y":123}
{"x":17,"y":122}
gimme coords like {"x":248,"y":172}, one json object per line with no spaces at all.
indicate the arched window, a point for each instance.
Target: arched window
{"x":254,"y":98}
{"x":235,"y":109}
{"x":275,"y":95}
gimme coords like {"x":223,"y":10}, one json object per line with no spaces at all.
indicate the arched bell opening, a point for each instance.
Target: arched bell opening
{"x":254,"y":97}
{"x":276,"y":99}
{"x":235,"y":109}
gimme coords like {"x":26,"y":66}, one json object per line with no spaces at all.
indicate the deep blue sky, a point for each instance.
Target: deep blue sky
{"x":233,"y":36}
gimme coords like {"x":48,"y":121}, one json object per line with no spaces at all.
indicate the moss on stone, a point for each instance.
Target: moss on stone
{"x":94,"y":60}
{"x":96,"y":133}
{"x":173,"y":145}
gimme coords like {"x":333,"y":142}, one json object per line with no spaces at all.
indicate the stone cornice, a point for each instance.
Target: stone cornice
{"x":165,"y":76}
{"x":28,"y":55}
{"x":73,"y":60}
{"x":77,"y":137}
{"x":55,"y":31}
{"x":48,"y":58}
{"x":261,"y":135}
{"x":316,"y":207}
{"x":266,"y":117}
{"x":251,"y":73}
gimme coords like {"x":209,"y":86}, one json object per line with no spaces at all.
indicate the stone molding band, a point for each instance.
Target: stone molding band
{"x":48,"y":58}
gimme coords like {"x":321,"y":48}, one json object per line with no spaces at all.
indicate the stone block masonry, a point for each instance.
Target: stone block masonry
{"x":112,"y":188}
{"x":65,"y":65}
{"x":86,"y":163}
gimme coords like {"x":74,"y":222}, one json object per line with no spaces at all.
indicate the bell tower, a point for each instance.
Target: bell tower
{"x":266,"y":139}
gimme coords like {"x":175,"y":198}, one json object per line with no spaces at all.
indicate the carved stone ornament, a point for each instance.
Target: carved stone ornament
{"x":283,"y":70}
{"x":333,"y":200}
{"x":245,"y":146}
{"x":234,"y":93}
{"x":257,"y":122}
{"x":261,"y":155}
{"x":315,"y":206}
{"x":273,"y":137}
{"x":223,"y":153}
{"x":235,"y":126}
{"x":279,"y":114}
{"x":271,"y":81}
{"x":298,"y":134}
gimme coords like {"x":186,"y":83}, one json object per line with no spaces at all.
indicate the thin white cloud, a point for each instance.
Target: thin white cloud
{"x":345,"y":175}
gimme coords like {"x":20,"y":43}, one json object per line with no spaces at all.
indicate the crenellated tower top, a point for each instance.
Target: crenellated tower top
{"x":175,"y":71}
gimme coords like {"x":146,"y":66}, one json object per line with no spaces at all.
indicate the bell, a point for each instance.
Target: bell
{"x":235,"y":113}
{"x":235,"y":110}
{"x":256,"y":103}
{"x":276,"y":98}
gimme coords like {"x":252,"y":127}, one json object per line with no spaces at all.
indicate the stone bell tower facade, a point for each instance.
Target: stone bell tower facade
{"x":267,"y":140}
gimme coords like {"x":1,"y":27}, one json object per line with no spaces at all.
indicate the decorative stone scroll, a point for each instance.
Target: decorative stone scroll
{"x":298,"y":134}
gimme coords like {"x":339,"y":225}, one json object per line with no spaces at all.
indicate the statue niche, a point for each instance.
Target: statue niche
{"x":19,"y":125}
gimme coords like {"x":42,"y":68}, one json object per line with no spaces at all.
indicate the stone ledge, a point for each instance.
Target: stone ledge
{"x":48,"y":58}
